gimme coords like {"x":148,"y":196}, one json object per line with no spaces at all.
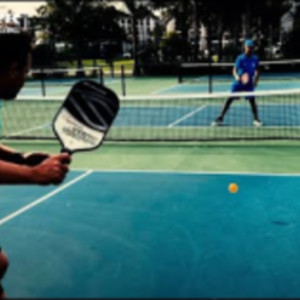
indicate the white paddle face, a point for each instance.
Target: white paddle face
{"x":85,"y":117}
{"x":74,"y":135}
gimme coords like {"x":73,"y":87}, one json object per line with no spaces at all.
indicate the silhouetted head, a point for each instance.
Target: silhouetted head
{"x":15,"y":61}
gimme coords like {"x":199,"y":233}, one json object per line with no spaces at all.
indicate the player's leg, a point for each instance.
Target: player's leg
{"x":3,"y":267}
{"x":254,"y":109}
{"x":236,"y":87}
{"x":256,"y":121}
{"x":219,"y":119}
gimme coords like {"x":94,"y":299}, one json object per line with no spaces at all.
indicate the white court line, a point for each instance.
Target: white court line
{"x":186,"y":116}
{"x":30,"y":129}
{"x":31,"y":88}
{"x":191,"y":173}
{"x":158,"y":92}
{"x":44,"y":198}
{"x":112,"y":81}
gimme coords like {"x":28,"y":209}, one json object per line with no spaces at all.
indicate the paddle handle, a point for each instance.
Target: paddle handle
{"x":64,"y":150}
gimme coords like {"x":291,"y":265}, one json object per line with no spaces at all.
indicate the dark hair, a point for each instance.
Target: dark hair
{"x":14,"y":47}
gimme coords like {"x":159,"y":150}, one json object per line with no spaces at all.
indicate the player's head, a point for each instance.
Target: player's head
{"x":249,"y":46}
{"x":15,"y":59}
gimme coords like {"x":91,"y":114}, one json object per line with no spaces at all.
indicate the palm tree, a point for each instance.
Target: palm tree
{"x":138,"y":10}
{"x":79,"y":22}
{"x":196,"y":6}
{"x":132,"y":7}
{"x":248,"y":19}
{"x":290,"y":38}
{"x":267,"y":25}
{"x":182,"y":12}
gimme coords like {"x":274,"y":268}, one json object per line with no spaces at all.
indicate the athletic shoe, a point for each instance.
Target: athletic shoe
{"x":217,"y":122}
{"x":257,"y":123}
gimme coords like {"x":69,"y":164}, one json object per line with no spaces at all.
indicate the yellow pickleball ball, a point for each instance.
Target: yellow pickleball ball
{"x":233,"y":188}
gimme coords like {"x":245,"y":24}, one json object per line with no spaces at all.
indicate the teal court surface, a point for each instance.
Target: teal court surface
{"x":153,"y":234}
{"x":164,"y":85}
{"x":202,"y":115}
{"x":157,"y":221}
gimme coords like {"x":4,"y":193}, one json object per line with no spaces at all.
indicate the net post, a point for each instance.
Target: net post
{"x":210,"y":83}
{"x":180,"y":73}
{"x":94,"y":72}
{"x":112,"y":70}
{"x":123,"y":80}
{"x":101,"y":77}
{"x":43,"y":86}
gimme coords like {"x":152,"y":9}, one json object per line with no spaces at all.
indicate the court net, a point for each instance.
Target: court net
{"x":46,"y":81}
{"x":277,"y":70}
{"x":169,"y":118}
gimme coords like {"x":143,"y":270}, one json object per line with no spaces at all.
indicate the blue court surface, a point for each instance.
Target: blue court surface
{"x":153,"y":234}
{"x":273,"y":116}
{"x":202,"y":115}
{"x":50,"y":91}
{"x":220,"y":83}
{"x":217,"y":87}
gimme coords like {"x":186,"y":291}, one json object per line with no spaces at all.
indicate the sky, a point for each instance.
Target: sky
{"x":20,"y":7}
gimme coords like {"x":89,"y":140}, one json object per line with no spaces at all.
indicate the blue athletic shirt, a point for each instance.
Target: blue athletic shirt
{"x":247,"y":64}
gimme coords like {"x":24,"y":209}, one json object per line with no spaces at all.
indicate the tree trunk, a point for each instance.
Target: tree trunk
{"x":235,"y":43}
{"x":184,"y":30}
{"x":220,"y":42}
{"x":135,"y":40}
{"x":196,"y":29}
{"x":270,"y":44}
{"x":95,"y":55}
{"x":135,"y":46}
{"x":209,"y":41}
{"x":80,"y":71}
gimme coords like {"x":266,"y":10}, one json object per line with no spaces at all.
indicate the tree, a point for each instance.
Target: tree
{"x":138,"y":11}
{"x":249,"y":19}
{"x":263,"y":20}
{"x":182,"y":12}
{"x":216,"y":16}
{"x":79,"y":23}
{"x":170,"y":47}
{"x":290,"y":39}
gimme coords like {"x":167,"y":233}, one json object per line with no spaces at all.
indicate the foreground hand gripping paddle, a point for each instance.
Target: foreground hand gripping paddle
{"x":85,"y":117}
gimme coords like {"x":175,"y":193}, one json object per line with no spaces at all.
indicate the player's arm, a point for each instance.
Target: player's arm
{"x":52,"y":171}
{"x":235,"y":74}
{"x":237,"y":70}
{"x":31,"y":159}
{"x":256,"y":76}
{"x":11,"y":173}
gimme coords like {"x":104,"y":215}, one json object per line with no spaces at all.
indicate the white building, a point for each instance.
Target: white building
{"x":145,"y":27}
{"x":18,"y":12}
{"x":21,"y":7}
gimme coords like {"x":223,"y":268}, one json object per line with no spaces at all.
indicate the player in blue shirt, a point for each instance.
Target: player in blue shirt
{"x":246,"y":75}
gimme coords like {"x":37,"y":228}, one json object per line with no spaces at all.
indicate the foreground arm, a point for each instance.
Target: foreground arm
{"x":51,"y":171}
{"x":31,"y":159}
